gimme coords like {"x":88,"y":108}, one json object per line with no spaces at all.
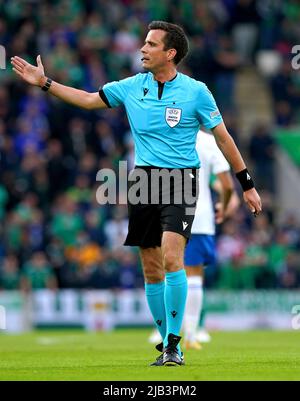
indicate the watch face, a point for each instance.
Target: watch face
{"x":47,"y":84}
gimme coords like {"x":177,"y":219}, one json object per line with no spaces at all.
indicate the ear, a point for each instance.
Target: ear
{"x":171,"y":54}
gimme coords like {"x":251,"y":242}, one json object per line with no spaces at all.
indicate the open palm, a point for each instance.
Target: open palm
{"x":27,"y":71}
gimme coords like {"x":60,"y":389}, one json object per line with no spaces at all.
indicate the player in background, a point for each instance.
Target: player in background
{"x":201,"y":250}
{"x":202,"y":335}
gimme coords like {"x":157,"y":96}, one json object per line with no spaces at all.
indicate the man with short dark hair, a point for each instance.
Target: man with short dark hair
{"x":165,"y":109}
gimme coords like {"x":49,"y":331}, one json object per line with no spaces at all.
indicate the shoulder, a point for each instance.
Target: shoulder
{"x":139,"y":78}
{"x":200,"y":91}
{"x":133,"y":79}
{"x":129,"y":81}
{"x":198,"y":85}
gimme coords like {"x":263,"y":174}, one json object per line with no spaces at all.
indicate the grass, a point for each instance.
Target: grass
{"x":125,"y":355}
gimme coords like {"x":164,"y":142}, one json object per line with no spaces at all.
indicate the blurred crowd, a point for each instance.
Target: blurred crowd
{"x":53,"y":233}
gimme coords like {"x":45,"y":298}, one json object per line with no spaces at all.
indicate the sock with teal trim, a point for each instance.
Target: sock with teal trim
{"x":156,"y":301}
{"x":175,"y":298}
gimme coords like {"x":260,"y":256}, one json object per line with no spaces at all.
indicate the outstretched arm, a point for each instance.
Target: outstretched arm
{"x":35,"y":75}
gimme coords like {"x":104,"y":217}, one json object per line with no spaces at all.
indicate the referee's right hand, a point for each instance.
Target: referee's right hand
{"x":28,"y":72}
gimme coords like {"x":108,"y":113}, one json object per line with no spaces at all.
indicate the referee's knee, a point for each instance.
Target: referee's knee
{"x":172,"y":262}
{"x":154,"y":277}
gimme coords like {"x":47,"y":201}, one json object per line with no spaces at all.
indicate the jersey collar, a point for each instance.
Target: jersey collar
{"x":167,"y":83}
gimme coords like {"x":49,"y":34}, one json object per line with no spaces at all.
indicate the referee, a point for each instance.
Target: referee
{"x":165,"y":109}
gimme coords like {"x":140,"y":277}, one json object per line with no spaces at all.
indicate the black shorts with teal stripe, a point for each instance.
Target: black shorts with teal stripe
{"x":160,"y":200}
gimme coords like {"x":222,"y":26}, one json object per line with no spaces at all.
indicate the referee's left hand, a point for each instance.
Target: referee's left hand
{"x":253,"y":201}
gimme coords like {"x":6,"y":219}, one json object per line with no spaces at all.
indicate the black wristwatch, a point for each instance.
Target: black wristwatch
{"x":47,"y":84}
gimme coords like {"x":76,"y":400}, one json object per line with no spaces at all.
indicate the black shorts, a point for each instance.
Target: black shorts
{"x":160,"y":200}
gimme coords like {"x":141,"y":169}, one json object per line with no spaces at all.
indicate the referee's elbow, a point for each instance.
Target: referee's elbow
{"x":88,"y":101}
{"x":93,"y":101}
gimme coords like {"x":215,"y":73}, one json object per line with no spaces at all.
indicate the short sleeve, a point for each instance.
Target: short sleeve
{"x":116,"y":92}
{"x":207,"y":111}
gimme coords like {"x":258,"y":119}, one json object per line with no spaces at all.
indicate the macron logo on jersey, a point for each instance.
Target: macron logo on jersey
{"x":248,"y":177}
{"x":184,"y":225}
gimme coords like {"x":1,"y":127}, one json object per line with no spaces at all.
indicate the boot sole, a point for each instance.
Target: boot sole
{"x":171,"y":364}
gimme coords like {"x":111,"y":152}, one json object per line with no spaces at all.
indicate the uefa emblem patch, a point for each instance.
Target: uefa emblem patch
{"x":173,"y":116}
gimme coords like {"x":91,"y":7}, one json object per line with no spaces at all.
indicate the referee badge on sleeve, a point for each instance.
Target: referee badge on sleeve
{"x":173,"y":116}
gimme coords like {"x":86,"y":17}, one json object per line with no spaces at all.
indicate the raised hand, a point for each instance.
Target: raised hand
{"x":30,"y":73}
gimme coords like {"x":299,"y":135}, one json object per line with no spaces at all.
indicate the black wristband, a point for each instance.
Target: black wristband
{"x":47,"y":85}
{"x":245,"y":179}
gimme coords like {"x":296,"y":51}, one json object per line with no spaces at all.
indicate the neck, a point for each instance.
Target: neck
{"x":165,"y":75}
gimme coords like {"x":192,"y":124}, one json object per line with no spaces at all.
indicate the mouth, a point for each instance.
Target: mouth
{"x":143,"y":59}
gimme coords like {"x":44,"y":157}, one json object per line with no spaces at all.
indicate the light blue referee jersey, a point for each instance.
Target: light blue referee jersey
{"x":164,"y":118}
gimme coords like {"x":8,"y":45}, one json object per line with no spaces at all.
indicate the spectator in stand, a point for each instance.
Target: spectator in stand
{"x":38,"y":274}
{"x":226,"y":61}
{"x":244,"y":21}
{"x":289,"y":277}
{"x":262,"y":152}
{"x":10,"y":278}
{"x":66,"y":222}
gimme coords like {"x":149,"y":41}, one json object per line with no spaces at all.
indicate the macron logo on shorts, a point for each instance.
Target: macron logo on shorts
{"x":248,"y":177}
{"x":184,"y":225}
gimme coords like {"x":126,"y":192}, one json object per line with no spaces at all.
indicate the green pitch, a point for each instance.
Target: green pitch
{"x":125,"y":355}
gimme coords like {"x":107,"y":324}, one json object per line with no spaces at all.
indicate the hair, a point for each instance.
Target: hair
{"x":175,"y":38}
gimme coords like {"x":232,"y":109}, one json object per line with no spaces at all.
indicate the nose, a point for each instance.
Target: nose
{"x":143,"y":48}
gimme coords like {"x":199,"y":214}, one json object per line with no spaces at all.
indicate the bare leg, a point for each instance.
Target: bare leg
{"x":152,"y":265}
{"x":172,"y":248}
